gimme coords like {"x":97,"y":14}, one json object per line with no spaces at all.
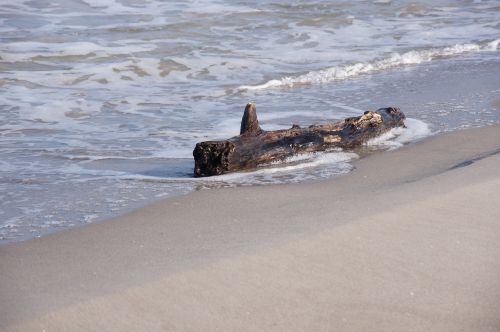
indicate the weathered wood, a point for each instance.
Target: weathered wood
{"x":254,"y":146}
{"x":249,"y":122}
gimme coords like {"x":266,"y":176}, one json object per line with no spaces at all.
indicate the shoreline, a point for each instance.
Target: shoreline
{"x":52,"y":203}
{"x":201,"y":258}
{"x":360,"y":152}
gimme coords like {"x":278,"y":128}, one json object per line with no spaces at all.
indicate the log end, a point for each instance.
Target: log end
{"x":212,"y":158}
{"x":249,"y":122}
{"x":389,"y":117}
{"x":392,"y":116}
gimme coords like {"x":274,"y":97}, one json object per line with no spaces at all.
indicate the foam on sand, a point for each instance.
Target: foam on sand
{"x":397,"y":137}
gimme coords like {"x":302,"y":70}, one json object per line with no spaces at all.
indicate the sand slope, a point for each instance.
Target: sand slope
{"x":407,"y":242}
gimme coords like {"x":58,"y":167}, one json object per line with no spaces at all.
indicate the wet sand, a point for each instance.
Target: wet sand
{"x":409,"y":241}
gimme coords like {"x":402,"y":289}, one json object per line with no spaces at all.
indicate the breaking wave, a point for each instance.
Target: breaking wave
{"x":395,"y":60}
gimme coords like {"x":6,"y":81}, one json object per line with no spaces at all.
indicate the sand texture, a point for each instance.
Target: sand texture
{"x":409,"y":241}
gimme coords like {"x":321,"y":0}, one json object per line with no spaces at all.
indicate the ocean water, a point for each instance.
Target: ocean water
{"x":103,"y":101}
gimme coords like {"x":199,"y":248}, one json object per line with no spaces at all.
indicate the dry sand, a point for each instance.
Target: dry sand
{"x":409,"y":241}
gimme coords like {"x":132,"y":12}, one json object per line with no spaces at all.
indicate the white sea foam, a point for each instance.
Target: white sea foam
{"x":293,"y":169}
{"x":395,"y":60}
{"x":310,"y":160}
{"x":26,"y":51}
{"x":109,"y":6}
{"x":397,"y":137}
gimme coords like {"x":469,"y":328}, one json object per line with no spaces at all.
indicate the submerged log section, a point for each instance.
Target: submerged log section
{"x":254,"y":146}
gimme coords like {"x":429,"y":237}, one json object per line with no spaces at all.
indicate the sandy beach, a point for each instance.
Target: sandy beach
{"x":104,"y":225}
{"x":408,"y":241}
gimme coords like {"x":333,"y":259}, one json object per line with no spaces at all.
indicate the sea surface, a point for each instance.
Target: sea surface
{"x":103,"y":101}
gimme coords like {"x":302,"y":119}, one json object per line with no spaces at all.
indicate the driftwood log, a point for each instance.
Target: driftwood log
{"x":254,"y":146}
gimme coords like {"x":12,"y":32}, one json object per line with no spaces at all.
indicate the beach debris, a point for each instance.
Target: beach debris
{"x":256,"y":147}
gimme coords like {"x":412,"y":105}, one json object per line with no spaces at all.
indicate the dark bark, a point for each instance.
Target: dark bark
{"x":254,"y":146}
{"x":249,"y":122}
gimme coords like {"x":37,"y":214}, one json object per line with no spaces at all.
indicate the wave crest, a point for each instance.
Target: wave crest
{"x":395,"y":60}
